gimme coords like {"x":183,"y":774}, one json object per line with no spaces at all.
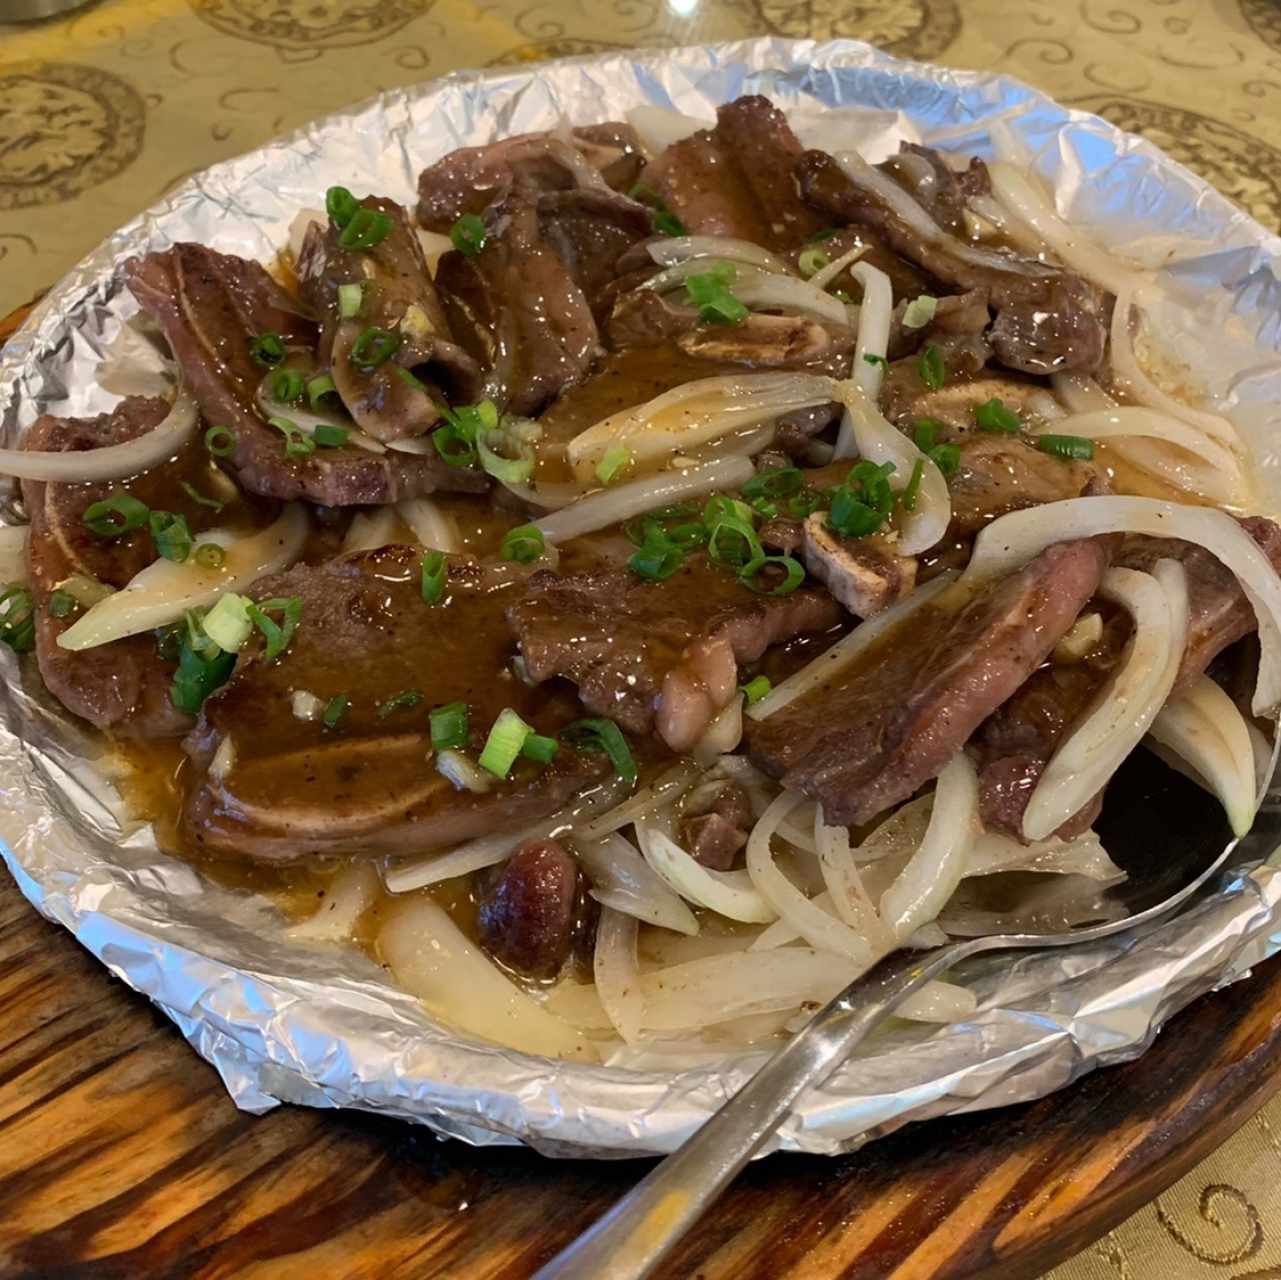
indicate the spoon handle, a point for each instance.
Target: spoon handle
{"x":638,"y":1232}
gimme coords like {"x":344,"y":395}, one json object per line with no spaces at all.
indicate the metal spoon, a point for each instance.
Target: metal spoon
{"x":638,"y":1232}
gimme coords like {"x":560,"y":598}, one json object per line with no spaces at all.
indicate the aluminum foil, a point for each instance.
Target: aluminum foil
{"x":284,"y":1021}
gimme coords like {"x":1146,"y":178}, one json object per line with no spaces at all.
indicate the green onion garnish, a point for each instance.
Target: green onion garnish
{"x":947,"y":457}
{"x":340,"y":205}
{"x":804,"y":503}
{"x":329,"y":436}
{"x":365,"y":229}
{"x":408,"y":379}
{"x":318,"y":387}
{"x":202,"y":668}
{"x":399,"y":702}
{"x":874,"y":359}
{"x":614,"y":462}
{"x":774,"y":482}
{"x":688,"y":535}
{"x":722,"y":507}
{"x":793,"y":575}
{"x":812,"y":261}
{"x":334,"y":711}
{"x":863,"y":503}
{"x":907,"y":499}
{"x":668,"y":224}
{"x":171,"y":536}
{"x":993,"y":416}
{"x":926,"y":433}
{"x":454,"y":446}
{"x":286,"y":386}
{"x":931,"y":367}
{"x":350,"y":297}
{"x":449,"y":727}
{"x":920,"y":311}
{"x":267,"y":349}
{"x":17,"y":619}
{"x":277,"y":635}
{"x":468,"y":235}
{"x":209,"y":555}
{"x":61,"y":604}
{"x":755,"y":690}
{"x":599,"y":734}
{"x":765,"y":507}
{"x":539,"y":749}
{"x":196,"y":496}
{"x":220,"y":441}
{"x":710,"y":293}
{"x":523,"y":544}
{"x":374,"y":347}
{"x":113,"y":516}
{"x":1076,"y":448}
{"x":504,"y":742}
{"x":819,"y":236}
{"x":656,"y":560}
{"x":297,"y":441}
{"x":433,"y":570}
{"x":228,"y":623}
{"x":733,"y":543}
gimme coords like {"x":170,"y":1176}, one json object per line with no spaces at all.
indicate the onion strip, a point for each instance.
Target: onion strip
{"x":617,"y":972}
{"x":845,"y":885}
{"x":671,"y":250}
{"x":623,"y":880}
{"x":874,"y":318}
{"x":432,"y":525}
{"x":13,"y":554}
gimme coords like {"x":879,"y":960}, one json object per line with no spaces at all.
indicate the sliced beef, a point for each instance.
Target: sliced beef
{"x":210,"y":307}
{"x":715,"y":830}
{"x":526,"y":916}
{"x":940,"y":189}
{"x":285,"y":788}
{"x":397,"y":295}
{"x":122,"y":686}
{"x":906,"y":280}
{"x":615,"y":149}
{"x":958,"y":315}
{"x":875,"y":733}
{"x":862,"y":573}
{"x":661,"y":654}
{"x":1057,"y":321}
{"x":590,"y":231}
{"x":522,"y":308}
{"x":795,"y":431}
{"x":701,"y":185}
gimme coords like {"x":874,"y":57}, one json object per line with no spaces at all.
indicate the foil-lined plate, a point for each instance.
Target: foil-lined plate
{"x":318,"y":1024}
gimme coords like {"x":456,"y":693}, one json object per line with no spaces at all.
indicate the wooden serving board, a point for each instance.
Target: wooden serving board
{"x":122,"y":1156}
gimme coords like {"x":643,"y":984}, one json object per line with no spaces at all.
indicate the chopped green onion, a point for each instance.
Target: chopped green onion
{"x":656,"y":561}
{"x":907,"y":499}
{"x":62,"y":603}
{"x":947,"y":457}
{"x":722,"y":507}
{"x":468,"y":235}
{"x":340,"y":205}
{"x":872,"y":483}
{"x":710,"y":293}
{"x":926,"y":433}
{"x":329,"y":436}
{"x":195,"y":633}
{"x":863,"y":504}
{"x":643,"y":529}
{"x":400,"y":701}
{"x":804,"y":503}
{"x":819,"y":236}
{"x":666,"y":222}
{"x":504,"y":742}
{"x":774,"y":482}
{"x":793,"y":575}
{"x":869,"y":358}
{"x":504,"y":470}
{"x":920,"y":311}
{"x":277,"y":635}
{"x":523,"y":544}
{"x":812,"y":261}
{"x":209,"y":555}
{"x":267,"y":349}
{"x":615,"y":461}
{"x":766,"y":507}
{"x":286,"y":386}
{"x":350,"y":296}
{"x":449,"y":727}
{"x":17,"y":619}
{"x":599,"y":734}
{"x":688,"y":535}
{"x":931,"y":367}
{"x":334,"y":711}
{"x":1071,"y":447}
{"x":754,"y":690}
{"x":297,"y":441}
{"x":408,"y":379}
{"x":433,"y":570}
{"x":228,"y":623}
{"x":365,"y":229}
{"x":841,"y":296}
{"x":454,"y":445}
{"x":374,"y":347}
{"x":220,"y":441}
{"x":539,"y":749}
{"x":677,"y":511}
{"x":318,"y":388}
{"x":171,"y":536}
{"x":120,"y":513}
{"x":202,"y":668}
{"x":196,"y":496}
{"x":733,"y":543}
{"x":993,"y":416}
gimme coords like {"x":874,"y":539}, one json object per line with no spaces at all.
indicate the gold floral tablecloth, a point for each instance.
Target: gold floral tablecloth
{"x":103,"y":111}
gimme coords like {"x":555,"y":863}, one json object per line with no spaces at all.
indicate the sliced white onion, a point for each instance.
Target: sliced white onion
{"x":13,"y":554}
{"x":1083,"y":855}
{"x":420,"y":445}
{"x":621,"y":503}
{"x":307,"y":419}
{"x":671,"y":250}
{"x":1125,"y":705}
{"x":224,"y":760}
{"x":351,"y":893}
{"x":874,"y":318}
{"x":939,"y":1002}
{"x":935,"y":869}
{"x":659,"y":127}
{"x":432,"y":525}
{"x":623,"y":880}
{"x":305,"y":705}
{"x":298,"y":230}
{"x":434,"y":247}
{"x":772,"y":291}
{"x":1014,"y":539}
{"x":850,"y":898}
{"x":899,"y":835}
{"x":1080,"y":393}
{"x":474,"y":855}
{"x":111,"y":461}
{"x":846,"y":651}
{"x":1262,"y":760}
{"x":465,"y":774}
{"x":431,"y":958}
{"x":370,"y":530}
{"x":694,"y":414}
{"x":825,"y":275}
{"x":722,"y":735}
{"x":617,"y":973}
{"x":821,"y":929}
{"x":875,"y":439}
{"x":1205,"y":727}
{"x":163,"y":591}
{"x":729,"y":893}
{"x":662,"y":791}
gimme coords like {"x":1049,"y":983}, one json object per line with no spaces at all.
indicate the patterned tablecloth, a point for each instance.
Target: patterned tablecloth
{"x":104,"y":111}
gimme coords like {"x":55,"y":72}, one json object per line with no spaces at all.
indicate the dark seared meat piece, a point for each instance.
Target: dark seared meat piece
{"x":875,"y":733}
{"x":714,"y":832}
{"x":701,"y":185}
{"x":397,"y":295}
{"x":661,"y":654}
{"x":591,"y":230}
{"x":615,"y":149}
{"x":906,"y":280}
{"x":795,"y":430}
{"x":939,"y":188}
{"x":295,"y":788}
{"x":210,"y":306}
{"x":526,"y":917}
{"x":1056,"y":321}
{"x":958,"y":315}
{"x":122,"y":686}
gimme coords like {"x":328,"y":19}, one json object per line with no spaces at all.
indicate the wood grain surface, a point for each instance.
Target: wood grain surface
{"x":122,"y":1156}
